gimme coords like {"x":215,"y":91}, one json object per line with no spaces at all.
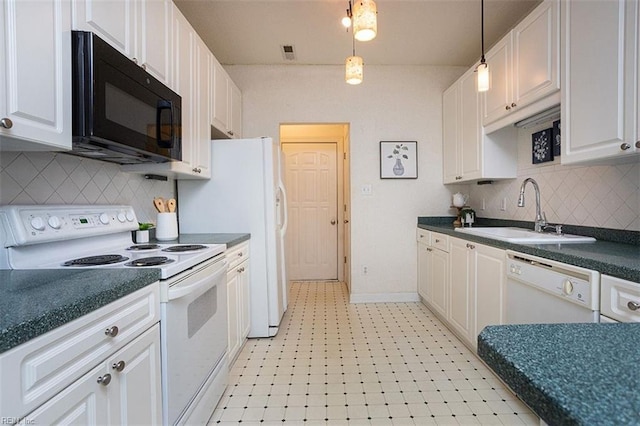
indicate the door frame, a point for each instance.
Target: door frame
{"x":330,"y":133}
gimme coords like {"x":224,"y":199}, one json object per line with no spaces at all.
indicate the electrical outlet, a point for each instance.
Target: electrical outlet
{"x":503,"y":206}
{"x":483,"y":206}
{"x":365,"y":270}
{"x":366,"y":189}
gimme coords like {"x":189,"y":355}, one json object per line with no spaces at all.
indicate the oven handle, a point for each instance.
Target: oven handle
{"x":178,"y":291}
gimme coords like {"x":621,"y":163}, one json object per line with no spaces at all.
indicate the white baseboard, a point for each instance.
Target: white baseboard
{"x":384,"y":298}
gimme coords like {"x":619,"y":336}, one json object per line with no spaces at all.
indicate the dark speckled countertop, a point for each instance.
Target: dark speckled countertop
{"x":618,"y":259}
{"x":33,"y":302}
{"x":569,"y":374}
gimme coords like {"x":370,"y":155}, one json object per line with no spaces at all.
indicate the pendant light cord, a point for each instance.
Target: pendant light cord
{"x":482,"y":61}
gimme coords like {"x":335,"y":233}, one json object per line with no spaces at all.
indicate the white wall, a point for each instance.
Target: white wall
{"x":393,"y":103}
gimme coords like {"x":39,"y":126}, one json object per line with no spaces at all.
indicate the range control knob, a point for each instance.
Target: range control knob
{"x":130,"y":216}
{"x":54,"y":222}
{"x":104,"y":218}
{"x":567,"y":287}
{"x":37,"y":223}
{"x":122,"y":217}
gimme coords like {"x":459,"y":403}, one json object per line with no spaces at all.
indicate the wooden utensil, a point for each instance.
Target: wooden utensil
{"x":171,"y":205}
{"x":159,"y":204}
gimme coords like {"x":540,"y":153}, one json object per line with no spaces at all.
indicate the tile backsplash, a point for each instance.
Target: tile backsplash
{"x":57,"y":178}
{"x":606,"y":196}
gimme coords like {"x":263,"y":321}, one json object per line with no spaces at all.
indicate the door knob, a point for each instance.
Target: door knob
{"x":6,"y":123}
{"x":333,"y":221}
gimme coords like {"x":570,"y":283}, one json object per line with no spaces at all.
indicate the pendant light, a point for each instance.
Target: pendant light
{"x":354,"y":67}
{"x":365,"y":20}
{"x":483,"y":68}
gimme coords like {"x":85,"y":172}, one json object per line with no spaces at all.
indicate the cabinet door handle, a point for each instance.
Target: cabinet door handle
{"x":135,"y":60}
{"x":471,"y":246}
{"x":507,"y":107}
{"x":637,"y":143}
{"x":346,"y":221}
{"x":429,"y":249}
{"x":634,"y":306}
{"x":118,"y":366}
{"x":240,"y":254}
{"x":104,"y":380}
{"x":625,"y":146}
{"x":111,"y":331}
{"x":437,"y":240}
{"x":513,"y":105}
{"x":6,"y":123}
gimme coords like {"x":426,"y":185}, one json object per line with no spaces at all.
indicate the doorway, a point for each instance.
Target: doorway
{"x":315,"y":168}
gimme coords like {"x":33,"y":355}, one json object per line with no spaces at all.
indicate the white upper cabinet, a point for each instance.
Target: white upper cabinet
{"x":141,"y":30}
{"x":524,"y":69}
{"x":226,"y":104}
{"x":469,"y":154}
{"x":35,"y":70}
{"x":191,"y":79}
{"x":600,"y":80}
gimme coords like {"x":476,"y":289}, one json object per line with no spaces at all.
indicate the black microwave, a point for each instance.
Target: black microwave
{"x":121,"y":113}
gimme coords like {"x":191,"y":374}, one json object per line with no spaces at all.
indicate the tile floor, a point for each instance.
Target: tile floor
{"x":335,"y":363}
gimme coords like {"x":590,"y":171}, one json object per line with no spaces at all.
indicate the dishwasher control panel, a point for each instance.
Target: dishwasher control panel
{"x":579,"y":285}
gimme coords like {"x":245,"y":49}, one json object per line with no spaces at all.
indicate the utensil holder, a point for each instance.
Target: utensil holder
{"x":167,"y":226}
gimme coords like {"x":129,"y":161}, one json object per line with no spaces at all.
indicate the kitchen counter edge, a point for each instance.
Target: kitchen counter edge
{"x":609,"y":258}
{"x":34,"y":302}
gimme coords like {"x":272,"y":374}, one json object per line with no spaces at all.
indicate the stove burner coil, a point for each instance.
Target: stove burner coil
{"x":105,"y":259}
{"x":142,"y":247}
{"x":187,"y":247}
{"x":149,"y":261}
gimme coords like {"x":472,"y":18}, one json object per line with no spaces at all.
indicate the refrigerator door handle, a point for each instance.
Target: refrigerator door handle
{"x":284,"y":208}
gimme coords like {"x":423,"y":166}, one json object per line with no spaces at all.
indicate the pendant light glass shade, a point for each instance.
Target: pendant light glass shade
{"x":483,"y":77}
{"x":354,"y":70}
{"x":365,"y":20}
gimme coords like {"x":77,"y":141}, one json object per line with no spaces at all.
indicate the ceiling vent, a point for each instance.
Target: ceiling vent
{"x":288,"y":52}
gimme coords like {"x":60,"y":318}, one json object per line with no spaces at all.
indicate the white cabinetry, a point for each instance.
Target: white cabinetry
{"x":192,"y":81}
{"x":123,"y":390}
{"x":238,"y":298}
{"x":226,"y":110}
{"x":462,"y":282}
{"x":140,"y":30}
{"x":101,"y":368}
{"x":35,"y":71}
{"x":620,"y":299}
{"x":469,"y":154}
{"x":600,"y":111}
{"x":433,"y":272}
{"x":524,"y":69}
{"x":462,"y":288}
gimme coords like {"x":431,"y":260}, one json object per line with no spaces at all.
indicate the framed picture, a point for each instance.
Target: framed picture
{"x":556,"y":139}
{"x":541,"y":146}
{"x":398,"y":159}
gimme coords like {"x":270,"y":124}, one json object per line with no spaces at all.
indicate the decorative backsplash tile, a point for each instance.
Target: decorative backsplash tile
{"x":597,"y":196}
{"x":57,"y":178}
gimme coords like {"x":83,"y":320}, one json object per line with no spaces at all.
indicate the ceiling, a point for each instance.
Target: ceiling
{"x":410,"y":32}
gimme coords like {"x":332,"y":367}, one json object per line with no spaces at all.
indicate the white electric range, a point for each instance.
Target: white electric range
{"x":193,"y":325}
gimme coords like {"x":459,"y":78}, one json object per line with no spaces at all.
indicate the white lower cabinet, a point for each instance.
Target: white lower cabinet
{"x":433,"y":272}
{"x":238,"y":298}
{"x":102,"y":368}
{"x":462,"y":282}
{"x":125,"y":389}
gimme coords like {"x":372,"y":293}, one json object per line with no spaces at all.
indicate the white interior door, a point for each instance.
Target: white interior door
{"x":312,"y":190}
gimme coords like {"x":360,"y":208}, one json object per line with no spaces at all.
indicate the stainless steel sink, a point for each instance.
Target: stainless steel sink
{"x":523,"y":236}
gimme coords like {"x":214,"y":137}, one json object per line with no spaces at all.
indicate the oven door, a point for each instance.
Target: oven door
{"x":194,"y":333}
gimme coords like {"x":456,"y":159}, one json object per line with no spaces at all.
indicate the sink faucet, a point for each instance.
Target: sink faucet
{"x":541,"y":218}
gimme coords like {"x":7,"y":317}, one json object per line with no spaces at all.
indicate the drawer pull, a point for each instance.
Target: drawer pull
{"x":118,"y":366}
{"x":111,"y":331}
{"x":634,"y":306}
{"x":6,"y":123}
{"x":105,"y":380}
{"x":240,"y":254}
{"x":429,"y":249}
{"x":625,"y":146}
{"x":437,"y":240}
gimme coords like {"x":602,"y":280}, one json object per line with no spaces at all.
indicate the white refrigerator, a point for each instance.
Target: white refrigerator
{"x":245,"y":195}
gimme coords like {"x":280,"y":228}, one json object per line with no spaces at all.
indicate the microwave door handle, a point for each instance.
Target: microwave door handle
{"x":162,"y":105}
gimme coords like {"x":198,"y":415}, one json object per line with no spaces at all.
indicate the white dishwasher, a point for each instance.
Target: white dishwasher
{"x":542,"y":291}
